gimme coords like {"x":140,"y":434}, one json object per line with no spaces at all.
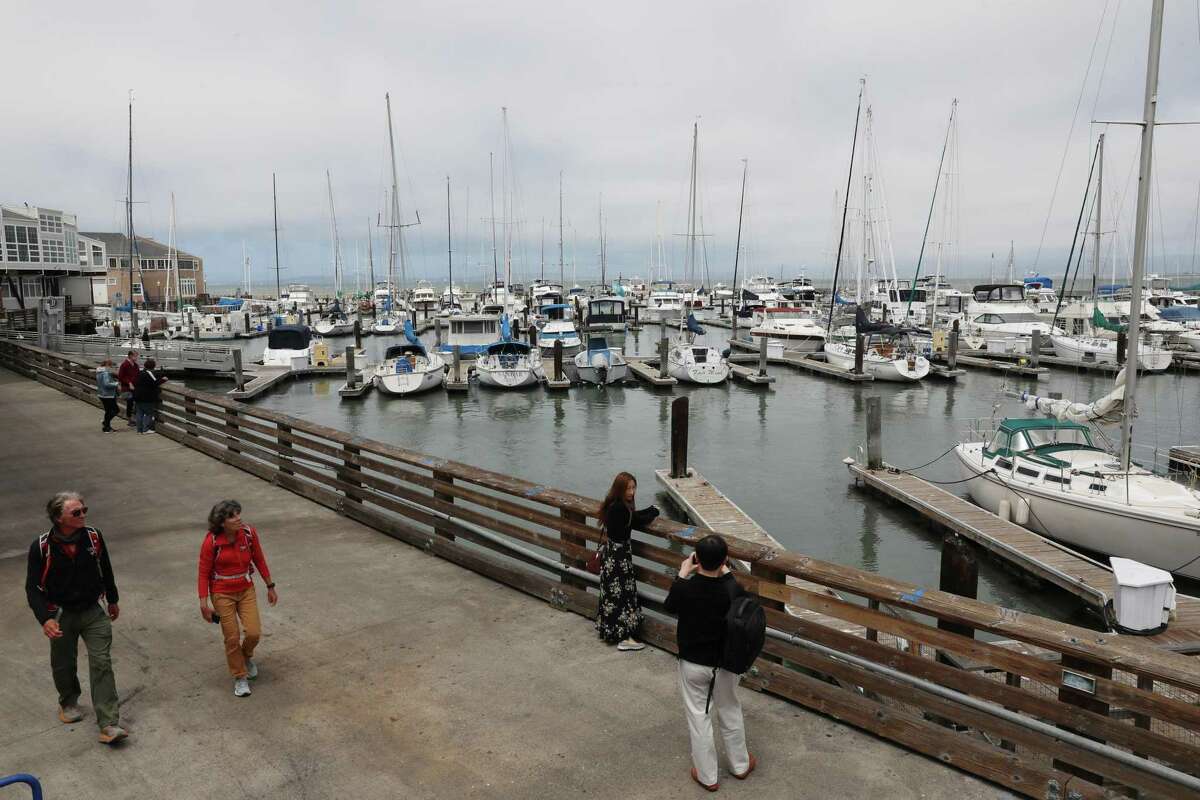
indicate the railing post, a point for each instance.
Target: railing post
{"x":663,"y":346}
{"x":960,"y":576}
{"x":189,"y":411}
{"x":679,"y":437}
{"x":232,"y":429}
{"x":1143,"y":720}
{"x":1013,"y":680}
{"x":558,"y":360}
{"x":285,"y":445}
{"x":762,"y":356}
{"x":952,"y":358}
{"x":348,"y":471}
{"x":579,"y":541}
{"x":872,"y":634}
{"x":358,"y":332}
{"x":1035,"y":348}
{"x":351,"y":372}
{"x":238,"y":377}
{"x":874,"y":432}
{"x":860,"y":347}
{"x":443,"y":477}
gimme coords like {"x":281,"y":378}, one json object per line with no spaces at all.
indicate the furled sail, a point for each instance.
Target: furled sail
{"x":1105,"y":411}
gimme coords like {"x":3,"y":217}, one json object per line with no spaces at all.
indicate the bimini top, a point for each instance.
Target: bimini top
{"x":998,"y":292}
{"x":400,"y":350}
{"x":555,"y":307}
{"x":1042,"y":280}
{"x":597,"y":343}
{"x":289,"y":337}
{"x":1015,"y":424}
{"x":507,"y":348}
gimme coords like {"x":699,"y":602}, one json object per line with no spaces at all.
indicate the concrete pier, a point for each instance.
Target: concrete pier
{"x":386,"y":672}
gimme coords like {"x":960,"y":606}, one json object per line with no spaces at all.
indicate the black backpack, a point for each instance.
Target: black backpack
{"x":745,"y":635}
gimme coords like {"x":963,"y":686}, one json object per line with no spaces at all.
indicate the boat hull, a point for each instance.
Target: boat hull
{"x":1103,"y":351}
{"x":1106,"y":527}
{"x":401,"y":384}
{"x":683,"y":366}
{"x":899,"y":370}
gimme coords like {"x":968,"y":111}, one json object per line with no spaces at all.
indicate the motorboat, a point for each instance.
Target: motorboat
{"x":999,"y":311}
{"x":789,"y":328}
{"x":601,"y":364}
{"x":471,"y":333}
{"x":1050,"y":477}
{"x":606,"y":313}
{"x":760,"y":291}
{"x":691,"y":362}
{"x":897,"y":302}
{"x":558,"y":327}
{"x":664,"y":303}
{"x":889,"y":352}
{"x":1040,"y":294}
{"x":289,"y":346}
{"x":424,"y":300}
{"x":298,"y":297}
{"x":409,"y":368}
{"x":508,"y":363}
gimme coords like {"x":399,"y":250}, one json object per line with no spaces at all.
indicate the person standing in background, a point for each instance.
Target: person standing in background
{"x":127,"y":377}
{"x":148,"y":394}
{"x":106,"y":390}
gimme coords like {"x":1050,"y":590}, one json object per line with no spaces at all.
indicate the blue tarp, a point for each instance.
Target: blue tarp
{"x":505,"y":329}
{"x":694,"y":326}
{"x":837,"y":298}
{"x":1047,"y":283}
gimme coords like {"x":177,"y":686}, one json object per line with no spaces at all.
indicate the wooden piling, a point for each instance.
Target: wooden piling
{"x":239,"y":378}
{"x":663,"y":348}
{"x":959,"y":575}
{"x":351,"y":373}
{"x":457,"y":363}
{"x":558,"y":359}
{"x":1122,"y":346}
{"x":762,"y":356}
{"x":531,"y":331}
{"x":860,"y":346}
{"x":952,"y":357}
{"x":874,"y":432}
{"x":437,"y":331}
{"x":358,"y":333}
{"x":1035,"y":347}
{"x":679,"y":437}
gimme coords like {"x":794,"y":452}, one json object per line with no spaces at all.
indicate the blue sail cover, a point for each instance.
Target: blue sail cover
{"x":837,"y":298}
{"x":411,"y":335}
{"x":618,"y":289}
{"x":505,"y":329}
{"x":694,"y":326}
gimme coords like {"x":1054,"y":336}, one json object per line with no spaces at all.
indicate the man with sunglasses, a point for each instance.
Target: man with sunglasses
{"x":69,"y":571}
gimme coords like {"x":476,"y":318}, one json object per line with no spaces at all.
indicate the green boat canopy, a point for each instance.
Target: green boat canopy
{"x":1100,"y":321}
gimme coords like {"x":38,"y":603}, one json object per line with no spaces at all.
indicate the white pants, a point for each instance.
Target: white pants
{"x":693,"y":684}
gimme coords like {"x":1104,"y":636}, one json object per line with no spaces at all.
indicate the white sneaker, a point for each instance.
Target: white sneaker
{"x":241,"y":688}
{"x":630,"y":645}
{"x":251,"y":669}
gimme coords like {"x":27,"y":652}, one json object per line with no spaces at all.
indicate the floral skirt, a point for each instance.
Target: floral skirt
{"x":620,"y":613}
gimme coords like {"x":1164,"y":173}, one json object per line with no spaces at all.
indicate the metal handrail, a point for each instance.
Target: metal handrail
{"x":27,"y":779}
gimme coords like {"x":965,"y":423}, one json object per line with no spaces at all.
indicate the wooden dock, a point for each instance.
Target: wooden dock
{"x":1084,"y":577}
{"x":706,"y":505}
{"x":1181,"y":360}
{"x":749,"y":375}
{"x":1185,"y":458}
{"x":806,"y":362}
{"x":1007,"y":367}
{"x":642,"y":370}
{"x":263,"y":378}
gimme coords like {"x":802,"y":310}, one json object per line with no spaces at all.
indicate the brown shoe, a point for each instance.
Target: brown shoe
{"x":707,"y":787}
{"x":69,"y":714}
{"x":749,"y":769}
{"x":111,"y":734}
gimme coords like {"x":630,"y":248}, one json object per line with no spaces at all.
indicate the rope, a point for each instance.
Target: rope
{"x":923,"y":466}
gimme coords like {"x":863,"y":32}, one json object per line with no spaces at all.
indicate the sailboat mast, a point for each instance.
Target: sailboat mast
{"x":449,"y":239}
{"x":275,"y":213}
{"x":542,"y":275}
{"x":175,"y":260}
{"x":1139,"y":233}
{"x":1099,"y":198}
{"x":737,"y":249}
{"x":371,"y":259}
{"x":929,"y":218}
{"x":396,"y":238}
{"x":600,"y":227}
{"x":492,"y":194}
{"x":560,"y":227}
{"x":333,"y":236}
{"x":691,"y":259}
{"x":129,"y":223}
{"x":837,"y":262}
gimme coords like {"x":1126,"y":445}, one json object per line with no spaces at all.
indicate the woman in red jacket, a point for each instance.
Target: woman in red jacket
{"x":230,"y":553}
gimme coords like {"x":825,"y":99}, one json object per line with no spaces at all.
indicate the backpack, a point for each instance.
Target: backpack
{"x":247,"y":539}
{"x":94,"y":548}
{"x":745,"y":635}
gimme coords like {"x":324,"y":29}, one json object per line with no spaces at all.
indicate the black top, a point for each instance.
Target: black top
{"x":73,"y":584}
{"x":620,"y":520}
{"x":701,"y":603}
{"x":146,"y":390}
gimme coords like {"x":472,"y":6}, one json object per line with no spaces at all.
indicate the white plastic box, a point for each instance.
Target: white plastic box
{"x":1143,"y":596}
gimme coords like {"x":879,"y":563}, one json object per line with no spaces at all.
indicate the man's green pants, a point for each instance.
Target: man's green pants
{"x":93,"y":626}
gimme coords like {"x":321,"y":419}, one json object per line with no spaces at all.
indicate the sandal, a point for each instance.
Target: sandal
{"x":707,"y":787}
{"x":749,"y":769}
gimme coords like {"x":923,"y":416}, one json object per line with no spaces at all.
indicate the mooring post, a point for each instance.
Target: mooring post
{"x":308,"y":317}
{"x":558,"y":359}
{"x":437,"y":331}
{"x":1035,"y":347}
{"x":457,"y":363}
{"x":952,"y":359}
{"x":351,"y":375}
{"x":960,"y":576}
{"x":237,"y":369}
{"x":874,"y":432}
{"x":1122,"y":345}
{"x":762,"y":356}
{"x":412,"y":314}
{"x":679,"y":437}
{"x":532,"y":334}
{"x":732,"y":319}
{"x":246,"y":321}
{"x":860,"y":346}
{"x":358,"y":332}
{"x":663,"y":348}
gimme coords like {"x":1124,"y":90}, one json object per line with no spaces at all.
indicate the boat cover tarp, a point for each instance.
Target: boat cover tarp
{"x":1100,"y":321}
{"x":399,"y":350}
{"x":505,"y":329}
{"x":1105,"y":411}
{"x":1047,"y":283}
{"x":864,"y":325}
{"x":1181,"y":314}
{"x":289,"y":337}
{"x":841,"y":301}
{"x":236,"y":302}
{"x":694,"y":326}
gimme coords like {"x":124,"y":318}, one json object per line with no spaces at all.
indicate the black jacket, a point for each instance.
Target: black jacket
{"x":147,"y":390}
{"x":619,"y":521}
{"x":701,"y":603}
{"x":72,"y":584}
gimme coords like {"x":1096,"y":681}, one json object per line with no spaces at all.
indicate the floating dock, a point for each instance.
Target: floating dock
{"x":1007,"y":367}
{"x":804,"y":361}
{"x":263,"y":378}
{"x":1084,"y":577}
{"x":642,"y":370}
{"x":1185,"y":458}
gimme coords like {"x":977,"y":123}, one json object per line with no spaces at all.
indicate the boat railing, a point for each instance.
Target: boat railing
{"x":1042,"y":707}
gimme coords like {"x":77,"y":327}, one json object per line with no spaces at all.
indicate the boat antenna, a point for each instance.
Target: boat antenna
{"x":929,"y":218}
{"x":560,"y":227}
{"x":449,"y":251}
{"x":275,"y":214}
{"x":837,"y":263}
{"x":737,"y":250}
{"x":1139,"y":233}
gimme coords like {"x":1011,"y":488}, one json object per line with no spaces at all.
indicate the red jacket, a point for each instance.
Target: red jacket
{"x":229,"y":572}
{"x":127,"y":374}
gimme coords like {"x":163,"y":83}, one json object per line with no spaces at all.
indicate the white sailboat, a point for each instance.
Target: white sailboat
{"x":409,"y":368}
{"x":508,"y":363}
{"x":1052,"y":477}
{"x":335,"y":322}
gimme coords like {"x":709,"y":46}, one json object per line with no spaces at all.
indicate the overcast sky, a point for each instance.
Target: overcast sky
{"x":227,"y":93}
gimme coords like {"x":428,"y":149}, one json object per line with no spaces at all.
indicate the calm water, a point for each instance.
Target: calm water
{"x":777,"y":453}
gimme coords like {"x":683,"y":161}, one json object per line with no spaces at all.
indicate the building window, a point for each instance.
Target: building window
{"x":112,"y":263}
{"x":22,"y":243}
{"x":51,"y":223}
{"x":112,"y":280}
{"x":187,"y":287}
{"x":98,"y":257}
{"x":137,"y":290}
{"x":187,"y":263}
{"x":54,"y":252}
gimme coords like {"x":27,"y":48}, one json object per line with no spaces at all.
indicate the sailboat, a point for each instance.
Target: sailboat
{"x":687,"y":360}
{"x":393,"y":307}
{"x":1051,"y":476}
{"x":890,"y":353}
{"x":409,"y":368}
{"x":335,"y":322}
{"x":451,"y":300}
{"x":508,"y":363}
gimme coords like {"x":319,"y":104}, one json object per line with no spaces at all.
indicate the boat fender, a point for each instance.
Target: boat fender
{"x":725,"y":353}
{"x":1003,"y":511}
{"x":1020,"y":511}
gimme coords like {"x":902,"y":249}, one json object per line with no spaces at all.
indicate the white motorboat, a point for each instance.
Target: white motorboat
{"x":664,"y":304}
{"x":601,"y":364}
{"x":1055,"y":481}
{"x":289,"y":346}
{"x":558,"y":327}
{"x":999,"y":311}
{"x":409,"y":368}
{"x":508,"y":364}
{"x":789,"y":328}
{"x":424,"y":300}
{"x":1191,"y":339}
{"x":298,"y":297}
{"x":1091,"y":350}
{"x":690,"y":362}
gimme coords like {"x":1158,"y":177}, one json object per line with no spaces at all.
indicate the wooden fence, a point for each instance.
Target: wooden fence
{"x":1041,"y":707}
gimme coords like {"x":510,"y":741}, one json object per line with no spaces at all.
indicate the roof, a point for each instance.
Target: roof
{"x":117,"y":244}
{"x":1013,"y":425}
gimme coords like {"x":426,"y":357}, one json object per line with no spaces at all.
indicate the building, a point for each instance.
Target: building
{"x":41,"y":256}
{"x":153,"y":276}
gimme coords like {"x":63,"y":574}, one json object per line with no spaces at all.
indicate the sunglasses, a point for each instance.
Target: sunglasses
{"x":79,"y":512}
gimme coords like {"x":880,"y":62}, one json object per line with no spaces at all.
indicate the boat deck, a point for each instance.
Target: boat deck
{"x":1086,"y":578}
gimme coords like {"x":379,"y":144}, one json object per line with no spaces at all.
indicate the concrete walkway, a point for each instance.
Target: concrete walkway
{"x":385,"y":672}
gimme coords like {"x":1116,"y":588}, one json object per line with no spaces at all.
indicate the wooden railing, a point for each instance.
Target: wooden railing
{"x":1044,"y":708}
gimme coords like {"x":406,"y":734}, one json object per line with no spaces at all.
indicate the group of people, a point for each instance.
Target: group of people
{"x":71,"y":588}
{"x":700,"y":596}
{"x":140,"y":385}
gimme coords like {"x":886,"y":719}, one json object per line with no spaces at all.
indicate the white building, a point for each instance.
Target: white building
{"x":43,"y":255}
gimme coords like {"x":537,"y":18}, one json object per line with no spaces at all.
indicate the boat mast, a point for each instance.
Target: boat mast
{"x":275,"y":213}
{"x":1139,"y":233}
{"x":492,"y":194}
{"x":929,"y":218}
{"x":691,"y":259}
{"x":129,"y":226}
{"x":737,"y":249}
{"x":449,"y":239}
{"x":396,"y":236}
{"x":560,"y":227}
{"x":333,"y":233}
{"x":600,"y":224}
{"x":371,"y":259}
{"x":174,"y":258}
{"x":542,"y":275}
{"x":1099,"y":198}
{"x":837,"y":262}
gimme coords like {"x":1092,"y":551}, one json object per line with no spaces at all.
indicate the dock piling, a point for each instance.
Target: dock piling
{"x":358,"y":333}
{"x":351,"y":373}
{"x":437,"y":331}
{"x":558,"y":359}
{"x":959,"y":575}
{"x":679,"y":437}
{"x":860,"y":344}
{"x":952,"y":358}
{"x":239,"y":378}
{"x":1122,"y":346}
{"x":874,"y":432}
{"x":1035,"y":347}
{"x":531,"y":331}
{"x":663,"y":347}
{"x":762,"y":356}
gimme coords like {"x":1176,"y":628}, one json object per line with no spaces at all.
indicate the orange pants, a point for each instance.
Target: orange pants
{"x":231,"y":607}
